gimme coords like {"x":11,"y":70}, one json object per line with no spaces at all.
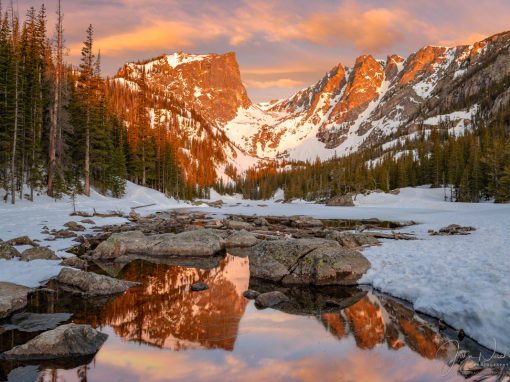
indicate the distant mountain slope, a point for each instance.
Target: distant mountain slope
{"x":216,"y":126}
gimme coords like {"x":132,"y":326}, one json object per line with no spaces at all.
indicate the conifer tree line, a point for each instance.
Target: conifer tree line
{"x":60,"y":131}
{"x":470,"y":168}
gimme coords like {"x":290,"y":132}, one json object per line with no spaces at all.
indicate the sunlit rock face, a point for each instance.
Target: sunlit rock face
{"x":210,"y":84}
{"x":164,"y":312}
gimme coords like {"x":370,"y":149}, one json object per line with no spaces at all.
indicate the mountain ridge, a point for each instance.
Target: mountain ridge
{"x":347,"y":110}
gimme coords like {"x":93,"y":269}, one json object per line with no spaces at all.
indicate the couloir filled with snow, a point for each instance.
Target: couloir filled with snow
{"x":460,"y":279}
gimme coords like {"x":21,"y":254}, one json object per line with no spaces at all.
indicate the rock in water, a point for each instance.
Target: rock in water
{"x":251,"y":294}
{"x":12,"y":298}
{"x":307,"y":262}
{"x":91,"y":283}
{"x":200,"y":286}
{"x":200,"y":242}
{"x":7,"y":251}
{"x":38,"y":253}
{"x":35,"y":322}
{"x":269,"y":299}
{"x":66,"y":341}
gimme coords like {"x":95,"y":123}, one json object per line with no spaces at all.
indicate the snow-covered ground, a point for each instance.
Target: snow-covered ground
{"x":27,"y":218}
{"x":461,"y":279}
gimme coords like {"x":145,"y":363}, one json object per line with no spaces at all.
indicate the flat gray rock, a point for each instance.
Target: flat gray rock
{"x":12,"y":298}
{"x":69,"y":340}
{"x":200,"y":242}
{"x":35,"y":322}
{"x":92,"y":284}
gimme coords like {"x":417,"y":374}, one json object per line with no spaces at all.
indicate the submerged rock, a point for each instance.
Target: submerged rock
{"x":91,"y":283}
{"x":200,"y":242}
{"x":7,"y":251}
{"x":306,"y":261}
{"x":70,"y":340}
{"x":38,"y":253}
{"x":200,"y":286}
{"x":35,"y":322}
{"x":270,"y":299}
{"x":13,"y":297}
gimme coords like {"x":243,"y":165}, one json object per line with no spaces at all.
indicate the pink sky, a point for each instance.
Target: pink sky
{"x":282,"y":46}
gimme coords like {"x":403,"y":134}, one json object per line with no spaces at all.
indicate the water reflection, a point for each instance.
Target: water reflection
{"x":162,"y":331}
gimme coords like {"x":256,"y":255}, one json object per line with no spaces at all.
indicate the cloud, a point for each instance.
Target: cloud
{"x":160,"y":34}
{"x":280,"y":83}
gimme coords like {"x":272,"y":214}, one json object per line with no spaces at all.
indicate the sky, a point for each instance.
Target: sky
{"x":282,"y":45}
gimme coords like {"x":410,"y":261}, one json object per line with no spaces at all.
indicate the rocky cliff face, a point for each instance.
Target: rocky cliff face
{"x":210,"y":84}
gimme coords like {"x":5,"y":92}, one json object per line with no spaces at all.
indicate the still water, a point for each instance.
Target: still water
{"x":162,"y":331}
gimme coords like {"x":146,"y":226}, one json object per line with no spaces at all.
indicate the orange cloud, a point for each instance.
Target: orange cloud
{"x":280,"y":83}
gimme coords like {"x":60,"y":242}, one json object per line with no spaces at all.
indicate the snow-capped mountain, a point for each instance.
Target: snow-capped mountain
{"x":349,"y":109}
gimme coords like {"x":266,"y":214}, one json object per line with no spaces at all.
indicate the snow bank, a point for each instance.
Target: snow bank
{"x":30,"y":218}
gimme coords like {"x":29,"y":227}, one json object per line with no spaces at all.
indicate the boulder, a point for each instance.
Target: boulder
{"x":238,"y":225}
{"x":306,"y":222}
{"x":92,"y":284}
{"x":12,"y":298}
{"x":73,"y":226}
{"x":199,"y":242}
{"x":66,"y":341}
{"x":22,"y":240}
{"x":38,"y":253}
{"x":270,"y":299}
{"x":306,"y":262}
{"x":241,"y":239}
{"x":200,"y":286}
{"x":63,"y":234}
{"x":341,"y":201}
{"x":7,"y":251}
{"x":75,"y":262}
{"x":352,"y":240}
{"x":88,"y":221}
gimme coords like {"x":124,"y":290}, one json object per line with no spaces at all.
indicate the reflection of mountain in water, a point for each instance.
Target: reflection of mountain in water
{"x":376,"y":320}
{"x":165,"y":313}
